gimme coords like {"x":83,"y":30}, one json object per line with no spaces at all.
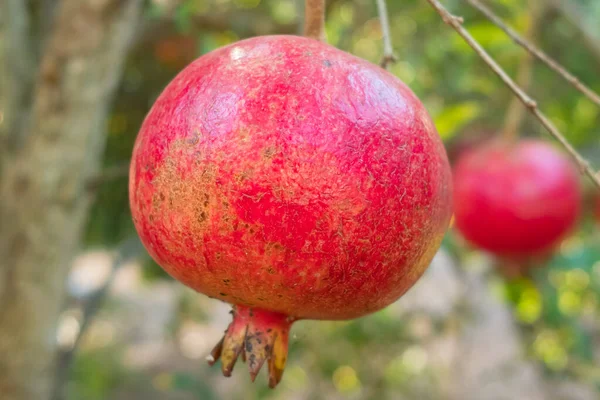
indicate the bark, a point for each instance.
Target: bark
{"x":44,"y":166}
{"x":17,"y":63}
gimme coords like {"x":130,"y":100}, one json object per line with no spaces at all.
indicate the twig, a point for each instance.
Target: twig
{"x":456,"y":23}
{"x":516,"y":110}
{"x":388,"y":50}
{"x":314,"y":19}
{"x":554,"y":65}
{"x":130,"y":249}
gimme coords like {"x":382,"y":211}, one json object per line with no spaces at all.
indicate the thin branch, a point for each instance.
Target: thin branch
{"x":554,"y":65}
{"x":456,"y":23}
{"x":314,"y":19}
{"x":388,"y":50}
{"x":129,"y":250}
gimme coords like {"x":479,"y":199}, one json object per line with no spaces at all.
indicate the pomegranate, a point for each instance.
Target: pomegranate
{"x":292,"y":180}
{"x":516,"y":201}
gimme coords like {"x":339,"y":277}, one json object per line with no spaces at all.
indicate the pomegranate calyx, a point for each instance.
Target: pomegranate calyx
{"x":257,"y":335}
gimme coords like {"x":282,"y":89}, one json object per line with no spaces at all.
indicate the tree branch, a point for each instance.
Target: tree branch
{"x":532,"y":49}
{"x":42,"y":182}
{"x":388,"y":50}
{"x":314,"y":19}
{"x":18,"y":71}
{"x":45,"y":17}
{"x":456,"y":23}
{"x":127,"y":251}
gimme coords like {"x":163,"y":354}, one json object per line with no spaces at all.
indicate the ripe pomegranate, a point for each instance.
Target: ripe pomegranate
{"x":515,"y":200}
{"x":292,"y":180}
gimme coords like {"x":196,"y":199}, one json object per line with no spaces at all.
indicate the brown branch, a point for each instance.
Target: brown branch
{"x":314,"y":19}
{"x":42,"y":211}
{"x":551,"y":63}
{"x":18,"y":65}
{"x":456,"y":23}
{"x":388,"y":50}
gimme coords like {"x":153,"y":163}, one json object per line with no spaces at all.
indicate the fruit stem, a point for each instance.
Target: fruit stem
{"x":314,"y":19}
{"x":388,"y":51}
{"x":258,"y":336}
{"x":516,"y":110}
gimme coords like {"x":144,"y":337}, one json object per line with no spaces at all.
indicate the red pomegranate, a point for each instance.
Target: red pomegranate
{"x":292,"y":180}
{"x":515,"y":200}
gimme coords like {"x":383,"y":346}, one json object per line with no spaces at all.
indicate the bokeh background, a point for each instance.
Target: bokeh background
{"x":127,"y":331}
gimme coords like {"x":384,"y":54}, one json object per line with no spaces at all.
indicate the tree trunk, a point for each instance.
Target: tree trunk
{"x":50,"y":147}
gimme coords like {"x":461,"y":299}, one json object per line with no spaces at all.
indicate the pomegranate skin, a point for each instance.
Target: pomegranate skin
{"x":515,"y":200}
{"x":283,"y":174}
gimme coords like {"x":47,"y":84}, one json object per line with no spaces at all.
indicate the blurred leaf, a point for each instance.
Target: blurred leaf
{"x":96,"y":374}
{"x":487,"y":34}
{"x":189,"y":383}
{"x":454,"y":117}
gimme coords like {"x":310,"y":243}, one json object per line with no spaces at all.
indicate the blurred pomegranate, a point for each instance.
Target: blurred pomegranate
{"x":516,"y":201}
